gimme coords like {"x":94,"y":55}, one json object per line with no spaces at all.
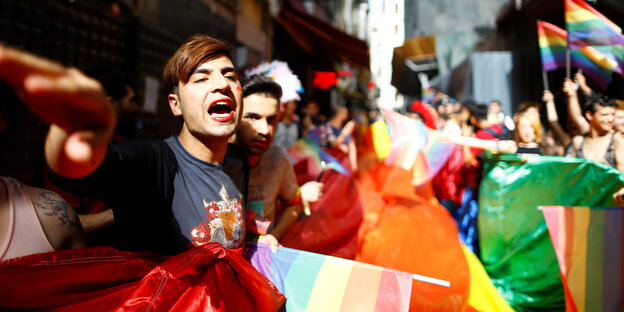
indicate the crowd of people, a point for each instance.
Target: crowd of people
{"x":226,"y":177}
{"x":161,"y":195}
{"x":594,"y":128}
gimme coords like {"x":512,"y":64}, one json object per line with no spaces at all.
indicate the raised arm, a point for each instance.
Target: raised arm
{"x":342,"y":137}
{"x":574,"y":107}
{"x":553,"y":118}
{"x":81,"y":119}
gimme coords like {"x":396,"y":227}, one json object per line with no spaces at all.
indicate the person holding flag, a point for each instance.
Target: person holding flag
{"x":601,"y":144}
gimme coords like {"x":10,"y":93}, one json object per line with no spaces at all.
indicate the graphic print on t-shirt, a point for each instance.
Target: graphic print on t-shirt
{"x":224,"y":221}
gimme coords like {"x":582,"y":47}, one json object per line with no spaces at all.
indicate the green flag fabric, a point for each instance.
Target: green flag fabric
{"x":516,"y":249}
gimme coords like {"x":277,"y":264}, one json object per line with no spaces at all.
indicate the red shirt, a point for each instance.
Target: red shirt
{"x":486,"y":135}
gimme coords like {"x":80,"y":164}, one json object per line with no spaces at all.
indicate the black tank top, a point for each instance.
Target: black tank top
{"x":608,"y":157}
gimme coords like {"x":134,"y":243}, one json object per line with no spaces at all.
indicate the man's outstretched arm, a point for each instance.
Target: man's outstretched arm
{"x":81,"y":120}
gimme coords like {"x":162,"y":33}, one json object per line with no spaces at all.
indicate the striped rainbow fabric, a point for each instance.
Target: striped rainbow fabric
{"x":315,"y":282}
{"x":306,"y":149}
{"x":553,"y":45}
{"x":407,"y":138}
{"x":596,"y":64}
{"x":431,"y":159}
{"x":587,"y":27}
{"x":589,"y":244}
{"x":414,"y":147}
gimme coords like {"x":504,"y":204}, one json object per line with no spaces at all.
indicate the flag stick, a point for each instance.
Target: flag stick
{"x":323,"y":165}
{"x":567,"y":63}
{"x":431,"y":280}
{"x":416,"y":277}
{"x":545,"y":80}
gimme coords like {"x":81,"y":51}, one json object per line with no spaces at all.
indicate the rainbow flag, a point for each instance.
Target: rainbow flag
{"x":615,"y":54}
{"x":407,"y":138}
{"x":589,"y":244}
{"x":305,"y":148}
{"x":587,"y":27}
{"x":431,"y":159}
{"x":315,"y":282}
{"x":413,"y":147}
{"x":553,"y":45}
{"x":597,"y":62}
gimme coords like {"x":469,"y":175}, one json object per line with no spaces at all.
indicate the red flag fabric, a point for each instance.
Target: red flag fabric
{"x":332,"y":227}
{"x":205,"y":278}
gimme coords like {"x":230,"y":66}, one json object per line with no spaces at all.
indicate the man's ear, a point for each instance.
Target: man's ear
{"x":588,"y":116}
{"x":473,"y":120}
{"x":174,"y":104}
{"x":112,"y":102}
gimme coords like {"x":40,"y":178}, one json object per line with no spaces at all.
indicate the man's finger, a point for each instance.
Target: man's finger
{"x":15,"y":65}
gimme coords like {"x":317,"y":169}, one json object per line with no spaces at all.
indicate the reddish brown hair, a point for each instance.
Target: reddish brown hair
{"x":194,"y":52}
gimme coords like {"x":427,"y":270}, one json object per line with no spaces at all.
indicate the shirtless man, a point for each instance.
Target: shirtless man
{"x":601,"y":143}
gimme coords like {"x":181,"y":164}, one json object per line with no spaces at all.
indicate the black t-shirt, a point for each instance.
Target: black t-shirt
{"x":157,"y":192}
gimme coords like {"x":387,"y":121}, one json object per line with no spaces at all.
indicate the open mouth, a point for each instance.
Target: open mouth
{"x":221,"y":111}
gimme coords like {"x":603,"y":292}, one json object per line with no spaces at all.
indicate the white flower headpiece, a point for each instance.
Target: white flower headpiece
{"x":281,"y":73}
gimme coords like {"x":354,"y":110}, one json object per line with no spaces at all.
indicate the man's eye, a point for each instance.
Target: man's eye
{"x":233,"y":78}
{"x":201,"y":80}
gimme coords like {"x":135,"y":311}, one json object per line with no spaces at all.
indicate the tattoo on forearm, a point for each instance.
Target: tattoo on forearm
{"x":53,"y":206}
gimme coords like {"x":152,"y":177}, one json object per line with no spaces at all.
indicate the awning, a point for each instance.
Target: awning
{"x":416,"y":55}
{"x":315,"y":36}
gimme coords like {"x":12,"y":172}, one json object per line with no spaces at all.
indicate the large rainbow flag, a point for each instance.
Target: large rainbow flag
{"x":597,"y":62}
{"x":587,"y":27}
{"x":316,"y":282}
{"x":589,"y":246}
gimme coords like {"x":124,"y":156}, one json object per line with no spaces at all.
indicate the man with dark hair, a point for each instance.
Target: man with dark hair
{"x":601,"y":143}
{"x":274,"y":200}
{"x":486,"y":131}
{"x":168,"y":194}
{"x":120,"y":93}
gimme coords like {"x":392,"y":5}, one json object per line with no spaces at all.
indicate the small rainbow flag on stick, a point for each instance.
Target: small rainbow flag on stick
{"x":553,"y":45}
{"x":589,"y":244}
{"x":315,"y":282}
